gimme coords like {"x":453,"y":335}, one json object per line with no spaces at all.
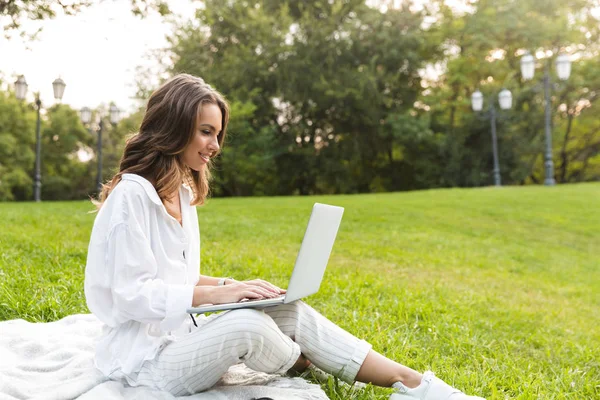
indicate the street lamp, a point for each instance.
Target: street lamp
{"x":86,"y":118}
{"x":563,"y":69}
{"x":505,"y":100}
{"x":21,"y":92}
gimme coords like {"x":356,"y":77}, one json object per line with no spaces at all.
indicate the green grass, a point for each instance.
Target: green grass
{"x":496,"y":290}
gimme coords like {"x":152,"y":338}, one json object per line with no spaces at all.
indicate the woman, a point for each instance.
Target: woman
{"x":142,"y":273}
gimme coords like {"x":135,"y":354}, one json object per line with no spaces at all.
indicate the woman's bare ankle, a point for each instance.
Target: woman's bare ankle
{"x":301,"y":364}
{"x":411,"y":379}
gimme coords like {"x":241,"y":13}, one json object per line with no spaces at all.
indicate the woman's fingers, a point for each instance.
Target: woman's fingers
{"x":273,"y":289}
{"x":251,"y":295}
{"x":244,"y":290}
{"x":240,"y":290}
{"x":264,"y":291}
{"x":267,"y":285}
{"x":261,"y":283}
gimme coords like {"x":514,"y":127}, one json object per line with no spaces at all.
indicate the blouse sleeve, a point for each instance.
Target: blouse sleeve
{"x":137,"y":292}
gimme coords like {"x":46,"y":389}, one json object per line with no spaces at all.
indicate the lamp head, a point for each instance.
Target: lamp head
{"x":527,"y":66}
{"x":563,"y":66}
{"x":505,"y":99}
{"x":115,"y":114}
{"x":86,"y":115}
{"x":59,"y":88}
{"x":21,"y":87}
{"x":477,"y":101}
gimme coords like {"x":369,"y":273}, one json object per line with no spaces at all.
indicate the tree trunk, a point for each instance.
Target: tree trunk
{"x":563,"y":152}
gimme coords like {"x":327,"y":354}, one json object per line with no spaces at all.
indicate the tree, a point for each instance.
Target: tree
{"x":339,"y":97}
{"x":322,"y":77}
{"x":483,"y":49}
{"x":65,"y":175}
{"x":364,"y":71}
{"x":17,"y":138}
{"x":578,"y":133}
{"x":114,"y":142}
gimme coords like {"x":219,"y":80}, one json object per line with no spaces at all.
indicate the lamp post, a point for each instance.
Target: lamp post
{"x":563,"y":68}
{"x":21,"y":92}
{"x":86,"y":117}
{"x":505,"y":100}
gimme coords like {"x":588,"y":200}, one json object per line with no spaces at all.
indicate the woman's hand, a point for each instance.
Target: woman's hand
{"x":236,"y":291}
{"x":267,"y":285}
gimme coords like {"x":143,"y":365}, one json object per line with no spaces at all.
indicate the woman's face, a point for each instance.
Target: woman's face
{"x":204,"y":144}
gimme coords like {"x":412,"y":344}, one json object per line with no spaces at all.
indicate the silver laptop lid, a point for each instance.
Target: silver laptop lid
{"x":314,"y":252}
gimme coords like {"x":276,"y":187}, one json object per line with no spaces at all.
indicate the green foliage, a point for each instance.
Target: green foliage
{"x":495,"y":290}
{"x":247,"y":167}
{"x":340,"y":97}
{"x":64,"y":175}
{"x":322,"y":77}
{"x":113,"y":142}
{"x":17,"y":139}
{"x":341,"y":87}
{"x":483,"y":51}
{"x":578,"y":133}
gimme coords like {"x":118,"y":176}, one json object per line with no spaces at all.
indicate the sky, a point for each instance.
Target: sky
{"x":95,"y":52}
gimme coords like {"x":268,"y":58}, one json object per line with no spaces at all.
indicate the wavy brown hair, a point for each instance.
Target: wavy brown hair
{"x":167,"y":128}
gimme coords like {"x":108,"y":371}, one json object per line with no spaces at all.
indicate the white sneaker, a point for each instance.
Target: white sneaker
{"x":431,"y":388}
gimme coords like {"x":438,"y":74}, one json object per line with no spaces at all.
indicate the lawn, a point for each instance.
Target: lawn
{"x":497,"y":290}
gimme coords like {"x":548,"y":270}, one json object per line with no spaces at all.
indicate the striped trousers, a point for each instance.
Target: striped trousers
{"x":268,"y":340}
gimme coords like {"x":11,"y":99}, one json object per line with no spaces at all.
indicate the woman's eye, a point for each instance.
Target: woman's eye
{"x":206,"y":132}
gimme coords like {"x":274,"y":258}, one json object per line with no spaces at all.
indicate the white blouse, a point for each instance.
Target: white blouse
{"x":142,"y":266}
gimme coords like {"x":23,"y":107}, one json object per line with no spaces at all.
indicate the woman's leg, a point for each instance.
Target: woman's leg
{"x":301,"y":364}
{"x":197,"y":361}
{"x":381,"y":371}
{"x":376,"y":369}
{"x":336,"y":351}
{"x":326,"y":345}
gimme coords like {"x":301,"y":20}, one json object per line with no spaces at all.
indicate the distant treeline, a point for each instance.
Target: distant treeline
{"x":343,"y":97}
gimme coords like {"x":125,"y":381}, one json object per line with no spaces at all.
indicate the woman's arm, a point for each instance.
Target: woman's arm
{"x":206,"y":280}
{"x":233,"y":292}
{"x":209,"y":291}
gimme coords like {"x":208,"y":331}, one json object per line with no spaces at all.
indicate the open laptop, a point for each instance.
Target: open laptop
{"x":310,"y":263}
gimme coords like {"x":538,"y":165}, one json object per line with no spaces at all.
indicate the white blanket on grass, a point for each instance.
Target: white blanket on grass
{"x":54,"y":360}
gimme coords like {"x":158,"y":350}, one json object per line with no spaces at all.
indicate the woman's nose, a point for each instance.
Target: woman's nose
{"x":214,"y":145}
